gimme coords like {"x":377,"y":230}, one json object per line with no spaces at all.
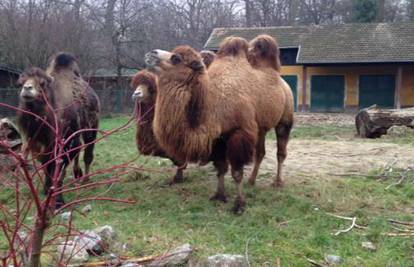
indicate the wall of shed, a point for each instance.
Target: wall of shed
{"x":352,"y":74}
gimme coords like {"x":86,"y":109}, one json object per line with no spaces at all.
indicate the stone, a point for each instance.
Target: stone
{"x":226,"y":260}
{"x":87,"y":209}
{"x":369,"y":245}
{"x":333,"y":259}
{"x":73,"y":251}
{"x":107,"y":233}
{"x":66,"y":216}
{"x":399,"y":131}
{"x":177,"y":257}
{"x":91,"y":241}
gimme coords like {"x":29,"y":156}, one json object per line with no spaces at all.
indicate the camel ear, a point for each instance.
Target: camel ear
{"x":175,"y":59}
{"x":196,"y":65}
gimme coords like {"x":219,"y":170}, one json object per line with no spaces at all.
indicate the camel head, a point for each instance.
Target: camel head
{"x":264,"y":51}
{"x":35,"y":85}
{"x":183,"y":61}
{"x":145,"y":86}
{"x":208,"y":57}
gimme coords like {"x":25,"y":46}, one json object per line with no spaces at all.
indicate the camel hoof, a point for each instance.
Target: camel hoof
{"x":278,"y":185}
{"x":252,"y":182}
{"x":176,"y":180}
{"x":239,"y":207}
{"x":77,"y":173}
{"x":219,"y":197}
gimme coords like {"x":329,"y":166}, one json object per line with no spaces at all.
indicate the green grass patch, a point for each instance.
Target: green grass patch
{"x":291,"y":224}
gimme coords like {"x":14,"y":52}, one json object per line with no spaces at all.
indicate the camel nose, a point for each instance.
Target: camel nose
{"x":137,"y":95}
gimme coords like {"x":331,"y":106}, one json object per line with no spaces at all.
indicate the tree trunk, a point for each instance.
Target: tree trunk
{"x":37,"y":243}
{"x":248,"y":8}
{"x":373,"y":122}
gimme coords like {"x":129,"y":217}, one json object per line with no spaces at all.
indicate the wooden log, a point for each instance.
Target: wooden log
{"x":373,"y":122}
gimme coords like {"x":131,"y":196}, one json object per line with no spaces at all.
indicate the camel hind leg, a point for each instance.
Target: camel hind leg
{"x":259,"y":155}
{"x":282,"y":133}
{"x":179,"y":175}
{"x":89,"y":138}
{"x":77,"y":170}
{"x":220,"y":163}
{"x":240,"y":151}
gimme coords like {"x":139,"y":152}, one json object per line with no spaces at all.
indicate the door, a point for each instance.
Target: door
{"x":327,"y":93}
{"x":376,"y":89}
{"x":292,"y":80}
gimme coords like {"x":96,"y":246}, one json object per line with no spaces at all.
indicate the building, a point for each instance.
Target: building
{"x":341,"y":67}
{"x":114,"y":94}
{"x":8,"y":91}
{"x":8,"y":76}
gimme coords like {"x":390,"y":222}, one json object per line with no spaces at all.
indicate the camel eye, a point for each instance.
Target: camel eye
{"x":176,"y":59}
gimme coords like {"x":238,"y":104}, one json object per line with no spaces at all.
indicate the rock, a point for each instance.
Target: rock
{"x":399,"y":131}
{"x":91,"y":241}
{"x":87,"y":209}
{"x":177,"y":257}
{"x":226,"y":260}
{"x":369,"y":245}
{"x":66,"y":216}
{"x":107,"y":233}
{"x":10,"y":134}
{"x":333,"y":259}
{"x":73,"y":251}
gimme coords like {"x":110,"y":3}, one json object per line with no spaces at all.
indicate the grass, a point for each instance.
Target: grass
{"x":291,"y":224}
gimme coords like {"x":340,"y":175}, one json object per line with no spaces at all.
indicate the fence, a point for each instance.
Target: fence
{"x":112,"y":101}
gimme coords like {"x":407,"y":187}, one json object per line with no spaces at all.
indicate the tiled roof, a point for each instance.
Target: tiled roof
{"x":345,"y":43}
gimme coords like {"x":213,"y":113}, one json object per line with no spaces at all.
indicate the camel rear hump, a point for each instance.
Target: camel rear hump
{"x":234,"y":47}
{"x":264,"y":52}
{"x":63,"y":62}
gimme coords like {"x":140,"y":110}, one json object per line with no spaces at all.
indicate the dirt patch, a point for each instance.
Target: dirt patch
{"x":316,"y":119}
{"x":320,"y":158}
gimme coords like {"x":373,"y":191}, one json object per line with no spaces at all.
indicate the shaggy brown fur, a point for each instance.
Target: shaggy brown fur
{"x":145,"y":139}
{"x":72,"y":100}
{"x":239,"y":102}
{"x":264,"y":56}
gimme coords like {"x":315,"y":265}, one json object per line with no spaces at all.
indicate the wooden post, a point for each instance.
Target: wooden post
{"x":304,"y":94}
{"x":398,"y":84}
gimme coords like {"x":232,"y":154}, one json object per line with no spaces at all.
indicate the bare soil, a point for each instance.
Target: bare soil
{"x":323,"y":159}
{"x":326,"y":159}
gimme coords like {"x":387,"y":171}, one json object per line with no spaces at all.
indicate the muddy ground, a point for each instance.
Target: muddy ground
{"x":322,"y":159}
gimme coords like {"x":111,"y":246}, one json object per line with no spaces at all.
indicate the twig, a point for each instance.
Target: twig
{"x":399,"y":234}
{"x":247,"y":252}
{"x":403,"y":176}
{"x":401,"y":222}
{"x":314,"y":263}
{"x":353,"y":224}
{"x":278,"y":262}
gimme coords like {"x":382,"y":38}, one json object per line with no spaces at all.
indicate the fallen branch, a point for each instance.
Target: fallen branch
{"x":314,"y":263}
{"x":247,"y":252}
{"x":353,"y":224}
{"x":401,"y":222}
{"x":278,"y":262}
{"x":399,"y":234}
{"x":402,"y":178}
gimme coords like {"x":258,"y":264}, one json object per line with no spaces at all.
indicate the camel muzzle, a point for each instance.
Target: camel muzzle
{"x":155,"y":57}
